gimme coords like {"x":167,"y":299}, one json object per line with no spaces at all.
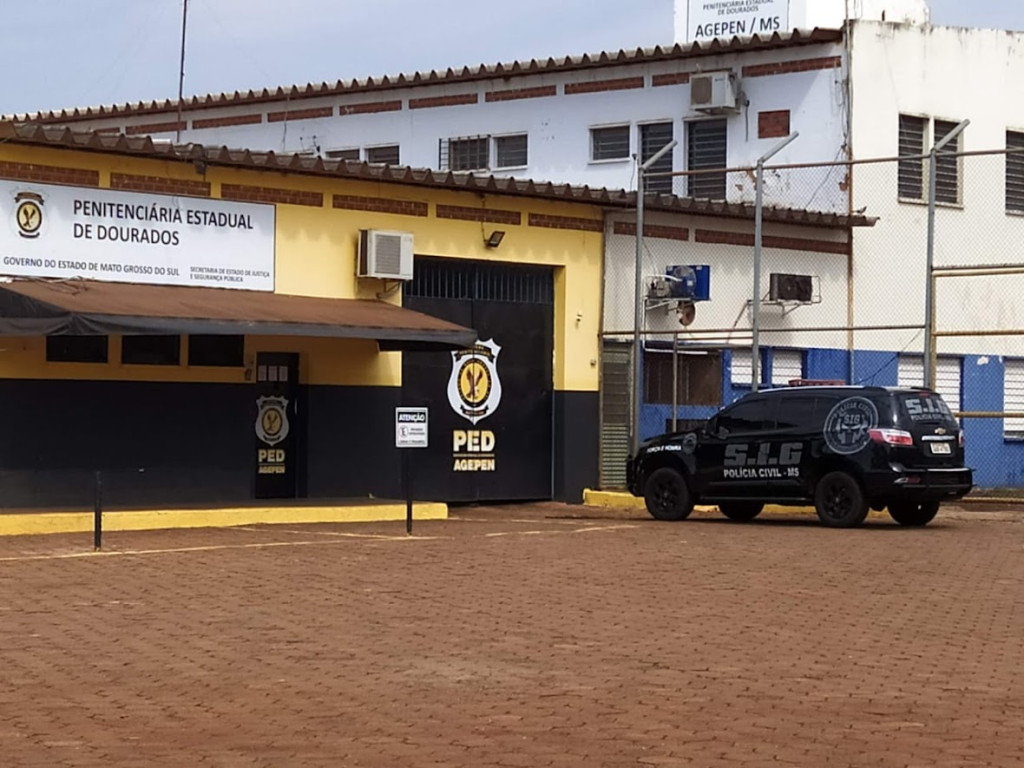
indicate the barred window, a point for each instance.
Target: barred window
{"x":699,"y":379}
{"x":469,"y":154}
{"x":387,"y":155}
{"x":343,"y":154}
{"x":510,"y":151}
{"x":911,"y":166}
{"x":653,"y":137}
{"x":609,"y":143}
{"x":1014,"y":172}
{"x":151,"y":350}
{"x":1013,"y":398}
{"x":706,"y":149}
{"x":76,"y":349}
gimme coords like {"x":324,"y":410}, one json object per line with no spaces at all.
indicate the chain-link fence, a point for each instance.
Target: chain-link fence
{"x":843,"y":295}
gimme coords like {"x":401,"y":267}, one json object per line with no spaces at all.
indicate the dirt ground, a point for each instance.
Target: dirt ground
{"x":536,"y":635}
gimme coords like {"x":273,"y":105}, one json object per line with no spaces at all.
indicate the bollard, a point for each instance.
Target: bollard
{"x":97,"y":514}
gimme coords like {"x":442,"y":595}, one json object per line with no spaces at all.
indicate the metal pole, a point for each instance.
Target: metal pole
{"x":675,"y":379}
{"x":97,"y":514}
{"x":755,"y":306}
{"x":929,"y":281}
{"x":638,"y":297}
{"x":407,"y":482}
{"x":181,"y":71}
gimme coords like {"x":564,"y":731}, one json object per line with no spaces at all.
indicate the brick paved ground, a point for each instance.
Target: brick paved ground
{"x":518,"y":637}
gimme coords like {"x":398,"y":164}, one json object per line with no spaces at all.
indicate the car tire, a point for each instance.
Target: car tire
{"x":913,"y":515}
{"x":667,"y":495}
{"x":741,"y":511}
{"x":839,"y":501}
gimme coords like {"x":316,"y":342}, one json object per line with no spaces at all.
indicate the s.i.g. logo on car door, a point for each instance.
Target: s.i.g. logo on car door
{"x":474,"y":392}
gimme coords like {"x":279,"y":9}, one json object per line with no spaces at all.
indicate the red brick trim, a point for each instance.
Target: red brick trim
{"x":156,"y":127}
{"x":773,"y":125}
{"x":565,"y":222}
{"x":619,"y":84}
{"x":299,"y":114}
{"x":246,"y":193}
{"x":522,"y":93}
{"x":135,"y":183}
{"x":787,"y":67}
{"x":444,"y":101}
{"x":494,"y":216}
{"x":366,"y":107}
{"x":772,"y":241}
{"x":380,"y":205}
{"x":652,"y":230}
{"x":221,"y":122}
{"x":49,"y":173}
{"x":675,"y":78}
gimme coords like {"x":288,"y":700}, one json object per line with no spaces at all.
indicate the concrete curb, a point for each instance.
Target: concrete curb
{"x":31,"y":523}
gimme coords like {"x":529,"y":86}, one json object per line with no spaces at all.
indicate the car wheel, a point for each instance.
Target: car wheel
{"x":667,"y":495}
{"x":741,"y":511}
{"x":839,"y":501}
{"x":911,"y":514}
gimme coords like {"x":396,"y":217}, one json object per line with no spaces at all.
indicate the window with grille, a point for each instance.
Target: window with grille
{"x":217,"y":351}
{"x":151,"y":350}
{"x":472,"y":154}
{"x":383,"y":155}
{"x":76,"y":349}
{"x":1013,"y":398}
{"x":706,"y":150}
{"x":609,"y":143}
{"x":947,"y":165}
{"x":653,"y":137}
{"x":699,"y":379}
{"x":343,"y":154}
{"x":911,"y":166}
{"x":1014,"y":172}
{"x":510,"y":151}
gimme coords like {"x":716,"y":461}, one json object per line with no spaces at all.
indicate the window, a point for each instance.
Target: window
{"x":1014,"y":172}
{"x":469,"y":154}
{"x":910,"y":373}
{"x":76,"y":349}
{"x":343,"y":154}
{"x":706,"y":150}
{"x":222,"y":351}
{"x":151,"y":350}
{"x":652,"y":138}
{"x":383,"y":155}
{"x":787,"y":364}
{"x":750,"y":415}
{"x":510,"y":151}
{"x":609,"y":143}
{"x":911,"y":166}
{"x":947,"y":165}
{"x":1013,"y":398}
{"x":743,"y":367}
{"x":699,"y":379}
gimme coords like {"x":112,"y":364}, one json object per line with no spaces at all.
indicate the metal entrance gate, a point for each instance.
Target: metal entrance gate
{"x":490,"y":407}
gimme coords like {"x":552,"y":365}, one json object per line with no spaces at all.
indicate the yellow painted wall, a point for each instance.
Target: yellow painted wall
{"x":316,"y":255}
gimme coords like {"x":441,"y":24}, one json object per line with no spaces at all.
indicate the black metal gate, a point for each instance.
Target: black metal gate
{"x":490,"y":407}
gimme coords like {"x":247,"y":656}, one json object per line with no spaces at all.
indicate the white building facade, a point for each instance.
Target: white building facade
{"x":881,"y":85}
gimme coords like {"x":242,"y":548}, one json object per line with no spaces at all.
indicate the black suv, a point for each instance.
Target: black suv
{"x":845,"y":449}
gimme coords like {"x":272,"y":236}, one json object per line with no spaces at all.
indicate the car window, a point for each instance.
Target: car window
{"x":801,"y":412}
{"x":926,"y":408}
{"x":748,"y":415}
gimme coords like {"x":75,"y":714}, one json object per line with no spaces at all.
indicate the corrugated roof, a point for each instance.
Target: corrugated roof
{"x":144,"y":146}
{"x":434,"y":77}
{"x":82,"y":307}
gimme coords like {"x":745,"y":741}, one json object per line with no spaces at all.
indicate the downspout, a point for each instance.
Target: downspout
{"x":850,"y":319}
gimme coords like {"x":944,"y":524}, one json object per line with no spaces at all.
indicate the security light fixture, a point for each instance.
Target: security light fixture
{"x":495,"y":239}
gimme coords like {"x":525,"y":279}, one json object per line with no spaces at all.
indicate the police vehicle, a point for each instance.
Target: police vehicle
{"x":843,"y":449}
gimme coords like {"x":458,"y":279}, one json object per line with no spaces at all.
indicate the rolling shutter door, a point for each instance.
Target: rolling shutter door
{"x":787,"y":364}
{"x":947,"y":377}
{"x":615,"y":414}
{"x":1013,"y":397}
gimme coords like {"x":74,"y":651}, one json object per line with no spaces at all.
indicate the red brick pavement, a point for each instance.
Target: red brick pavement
{"x":551,"y":641}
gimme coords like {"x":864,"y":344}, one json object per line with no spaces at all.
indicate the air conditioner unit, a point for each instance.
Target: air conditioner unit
{"x":799,"y":288}
{"x":714,"y":92}
{"x":387,"y":255}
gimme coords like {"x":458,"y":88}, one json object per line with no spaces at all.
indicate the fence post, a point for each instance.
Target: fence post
{"x":675,"y":380}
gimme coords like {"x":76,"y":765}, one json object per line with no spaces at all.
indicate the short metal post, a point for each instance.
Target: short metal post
{"x":97,"y":514}
{"x":407,"y":484}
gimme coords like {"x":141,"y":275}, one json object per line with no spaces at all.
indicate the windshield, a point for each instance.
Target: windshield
{"x":926,"y":408}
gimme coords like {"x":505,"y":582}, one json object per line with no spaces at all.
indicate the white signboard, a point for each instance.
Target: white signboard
{"x":710,"y":19}
{"x":98,"y":234}
{"x":411,"y":427}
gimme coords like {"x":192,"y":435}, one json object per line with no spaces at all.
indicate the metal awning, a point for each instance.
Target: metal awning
{"x":85,"y":307}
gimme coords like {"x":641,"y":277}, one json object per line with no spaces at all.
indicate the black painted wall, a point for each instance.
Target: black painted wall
{"x":577,"y":436}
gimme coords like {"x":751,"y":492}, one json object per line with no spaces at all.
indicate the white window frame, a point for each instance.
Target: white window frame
{"x":495,"y":164}
{"x":778,"y":379}
{"x":629,"y":143}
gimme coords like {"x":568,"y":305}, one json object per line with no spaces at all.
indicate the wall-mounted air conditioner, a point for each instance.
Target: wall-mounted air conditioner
{"x":795,"y":288}
{"x":714,"y":92}
{"x":386,"y":255}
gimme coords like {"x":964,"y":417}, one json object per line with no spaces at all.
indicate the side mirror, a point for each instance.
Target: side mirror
{"x":711,"y":427}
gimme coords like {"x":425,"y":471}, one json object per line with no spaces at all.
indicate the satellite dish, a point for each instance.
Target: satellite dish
{"x":687,"y":312}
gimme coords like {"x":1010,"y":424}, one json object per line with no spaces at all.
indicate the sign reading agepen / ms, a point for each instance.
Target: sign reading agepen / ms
{"x":712,"y":19}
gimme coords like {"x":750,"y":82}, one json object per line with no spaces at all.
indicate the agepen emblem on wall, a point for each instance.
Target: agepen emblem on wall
{"x":474,"y":389}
